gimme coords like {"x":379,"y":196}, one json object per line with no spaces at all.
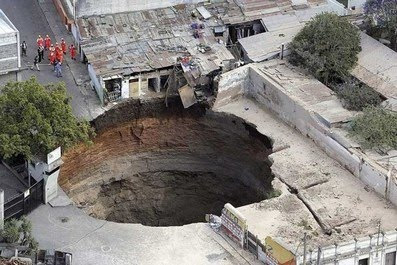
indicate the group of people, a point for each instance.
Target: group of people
{"x":55,"y":53}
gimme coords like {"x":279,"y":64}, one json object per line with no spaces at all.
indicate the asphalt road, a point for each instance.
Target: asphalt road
{"x":28,"y":17}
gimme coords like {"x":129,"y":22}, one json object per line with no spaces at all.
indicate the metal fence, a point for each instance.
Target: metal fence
{"x":24,"y":203}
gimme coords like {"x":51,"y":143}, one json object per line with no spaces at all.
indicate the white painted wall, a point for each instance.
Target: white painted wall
{"x":374,"y":247}
{"x":94,"y":79}
{"x":125,"y":89}
{"x":51,"y":186}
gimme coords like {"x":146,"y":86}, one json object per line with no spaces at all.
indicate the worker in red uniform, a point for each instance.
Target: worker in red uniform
{"x":51,"y":49}
{"x":58,"y":52}
{"x":72,"y":51}
{"x":52,"y":57}
{"x":64,"y":46}
{"x":47,"y":42}
{"x":40,"y":41}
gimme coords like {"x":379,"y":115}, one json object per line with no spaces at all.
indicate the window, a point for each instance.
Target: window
{"x":390,"y":258}
{"x":363,"y":261}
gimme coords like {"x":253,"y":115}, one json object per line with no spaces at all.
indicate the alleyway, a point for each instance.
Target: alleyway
{"x":31,"y":21}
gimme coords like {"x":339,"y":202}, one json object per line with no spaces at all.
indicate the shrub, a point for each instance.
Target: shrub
{"x":375,"y":128}
{"x":327,"y":47}
{"x":355,"y":96}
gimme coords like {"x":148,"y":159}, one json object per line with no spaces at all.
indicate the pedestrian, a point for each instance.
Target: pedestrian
{"x":24,"y":46}
{"x":40,"y":53}
{"x":36,"y":62}
{"x":64,"y":46}
{"x":47,"y":42}
{"x":58,"y":69}
{"x":72,"y":51}
{"x":40,"y":41}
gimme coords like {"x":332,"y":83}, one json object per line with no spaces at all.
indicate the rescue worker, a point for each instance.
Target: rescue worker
{"x":64,"y":46}
{"x":72,"y":51}
{"x":52,"y":57}
{"x":40,"y":41}
{"x":51,"y":49}
{"x":47,"y":42}
{"x":24,"y":46}
{"x":58,"y":52}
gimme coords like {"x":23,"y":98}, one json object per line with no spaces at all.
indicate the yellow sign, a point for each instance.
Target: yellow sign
{"x":281,"y":254}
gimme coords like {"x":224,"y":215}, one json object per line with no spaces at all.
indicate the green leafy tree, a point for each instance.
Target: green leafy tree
{"x":11,"y":232}
{"x":375,"y":128}
{"x":382,"y":15}
{"x":327,"y":46}
{"x":35,"y":119}
{"x":20,"y":232}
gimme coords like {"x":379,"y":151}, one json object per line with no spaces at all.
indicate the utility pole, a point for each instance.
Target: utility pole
{"x":304,"y":249}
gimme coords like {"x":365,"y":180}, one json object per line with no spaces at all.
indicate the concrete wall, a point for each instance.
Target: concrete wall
{"x":269,"y":93}
{"x":9,"y":52}
{"x":374,"y":247}
{"x":95,"y":81}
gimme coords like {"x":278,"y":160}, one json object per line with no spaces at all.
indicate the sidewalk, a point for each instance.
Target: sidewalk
{"x":86,"y":97}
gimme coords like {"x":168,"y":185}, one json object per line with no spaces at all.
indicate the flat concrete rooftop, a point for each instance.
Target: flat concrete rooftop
{"x":319,"y":196}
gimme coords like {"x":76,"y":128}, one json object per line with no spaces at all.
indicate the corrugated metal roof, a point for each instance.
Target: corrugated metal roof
{"x":5,"y":24}
{"x":149,"y":40}
{"x":266,"y":45}
{"x":280,"y":21}
{"x":377,"y":66}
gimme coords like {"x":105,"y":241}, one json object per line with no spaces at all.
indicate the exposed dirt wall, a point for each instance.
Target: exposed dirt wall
{"x":167,"y":157}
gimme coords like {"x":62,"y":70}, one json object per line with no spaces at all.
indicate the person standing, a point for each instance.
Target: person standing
{"x":64,"y":46}
{"x":58,"y":53}
{"x":40,"y":41}
{"x":36,"y":62}
{"x":47,"y":42}
{"x":52,"y":57}
{"x":58,"y":69}
{"x":40,"y":53}
{"x":72,"y":51}
{"x":24,"y":46}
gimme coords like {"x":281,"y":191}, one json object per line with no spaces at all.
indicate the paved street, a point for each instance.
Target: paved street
{"x":97,"y":242}
{"x":29,"y":18}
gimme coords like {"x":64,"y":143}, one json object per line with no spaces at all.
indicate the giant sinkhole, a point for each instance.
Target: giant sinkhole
{"x":167,"y":166}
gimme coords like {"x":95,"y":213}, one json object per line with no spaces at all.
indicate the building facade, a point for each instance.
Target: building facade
{"x":10,"y":55}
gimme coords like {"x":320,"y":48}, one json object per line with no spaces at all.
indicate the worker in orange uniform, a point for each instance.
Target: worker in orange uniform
{"x":72,"y":51}
{"x":51,"y":49}
{"x":40,"y":41}
{"x":58,"y":52}
{"x":64,"y":46}
{"x":47,"y":42}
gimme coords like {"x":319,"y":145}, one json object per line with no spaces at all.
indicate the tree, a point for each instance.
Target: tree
{"x":327,"y":46}
{"x":383,"y":15}
{"x":375,"y":128}
{"x":35,"y":119}
{"x":19,"y":232}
